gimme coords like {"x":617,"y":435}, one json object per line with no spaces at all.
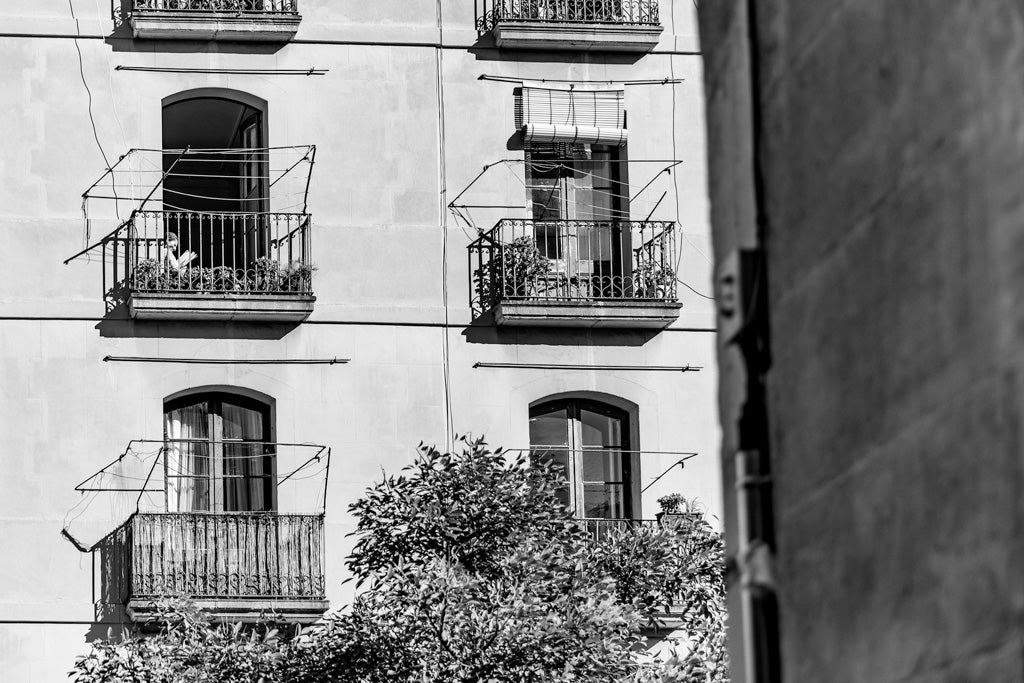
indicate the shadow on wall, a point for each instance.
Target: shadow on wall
{"x":484,"y":331}
{"x":484,"y":50}
{"x":117,"y":324}
{"x":112,"y":556}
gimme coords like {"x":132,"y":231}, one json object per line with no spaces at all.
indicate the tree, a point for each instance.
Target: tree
{"x":474,"y":571}
{"x":470,"y":570}
{"x":189,"y":648}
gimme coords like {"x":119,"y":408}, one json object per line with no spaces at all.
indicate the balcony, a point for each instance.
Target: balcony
{"x":616,"y":274}
{"x":600,"y":529}
{"x":236,"y":20}
{"x":246,"y":266}
{"x":233,"y":565}
{"x":609,"y":25}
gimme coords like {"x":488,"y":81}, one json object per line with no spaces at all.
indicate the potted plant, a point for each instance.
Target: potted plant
{"x":676,"y":509}
{"x":521,"y":268}
{"x":653,"y":280}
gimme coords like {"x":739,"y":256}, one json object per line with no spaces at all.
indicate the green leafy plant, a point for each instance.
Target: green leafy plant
{"x":187,"y":648}
{"x":653,"y":280}
{"x":473,"y":571}
{"x":265,"y":275}
{"x":521,"y":267}
{"x":297,"y":277}
{"x":674,"y":504}
{"x":148,"y":274}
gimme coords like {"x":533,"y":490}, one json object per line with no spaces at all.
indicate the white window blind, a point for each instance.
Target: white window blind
{"x":549,"y":113}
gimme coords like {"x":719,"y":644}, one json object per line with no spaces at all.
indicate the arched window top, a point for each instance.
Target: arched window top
{"x":599,"y":398}
{"x":239,"y":96}
{"x":247,"y":401}
{"x":239,"y":392}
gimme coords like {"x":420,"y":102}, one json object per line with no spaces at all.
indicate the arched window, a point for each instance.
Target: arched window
{"x":590,"y":441}
{"x":218,"y":454}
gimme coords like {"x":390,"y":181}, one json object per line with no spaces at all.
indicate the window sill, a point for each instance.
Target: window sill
{"x":525,"y":35}
{"x":618,"y":314}
{"x":215,"y":306}
{"x":184,"y":25}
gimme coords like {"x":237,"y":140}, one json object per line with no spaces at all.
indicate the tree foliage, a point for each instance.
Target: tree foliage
{"x":189,"y":648}
{"x":470,"y":571}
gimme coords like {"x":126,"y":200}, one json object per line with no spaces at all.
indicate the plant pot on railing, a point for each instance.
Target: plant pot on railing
{"x":678,"y":511}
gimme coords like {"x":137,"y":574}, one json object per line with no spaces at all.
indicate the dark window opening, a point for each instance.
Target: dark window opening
{"x":217,"y":195}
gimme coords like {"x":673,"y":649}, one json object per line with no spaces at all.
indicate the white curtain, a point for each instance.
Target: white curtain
{"x":245,"y":464}
{"x":187,"y":463}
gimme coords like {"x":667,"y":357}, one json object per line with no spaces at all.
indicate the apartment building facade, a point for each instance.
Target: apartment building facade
{"x":260,"y":249}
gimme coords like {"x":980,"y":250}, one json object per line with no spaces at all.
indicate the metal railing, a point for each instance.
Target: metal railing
{"x":229,"y":6}
{"x":573,"y":261}
{"x":600,"y":529}
{"x":235,"y":253}
{"x":642,"y":12}
{"x":229,"y":555}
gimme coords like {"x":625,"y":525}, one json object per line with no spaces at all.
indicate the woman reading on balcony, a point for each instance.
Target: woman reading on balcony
{"x":168,"y":257}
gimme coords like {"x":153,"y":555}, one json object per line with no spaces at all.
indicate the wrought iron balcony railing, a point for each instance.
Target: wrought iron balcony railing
{"x":228,"y":253}
{"x":230,"y":555}
{"x":634,"y":12}
{"x":574,"y":261}
{"x":228,"y":6}
{"x":599,"y":529}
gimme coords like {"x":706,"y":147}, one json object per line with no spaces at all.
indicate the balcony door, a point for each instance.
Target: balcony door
{"x":576,"y":197}
{"x":589,"y":442}
{"x":218,"y":455}
{"x":216,"y":195}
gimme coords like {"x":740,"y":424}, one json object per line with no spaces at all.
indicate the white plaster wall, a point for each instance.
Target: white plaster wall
{"x":381,"y":253}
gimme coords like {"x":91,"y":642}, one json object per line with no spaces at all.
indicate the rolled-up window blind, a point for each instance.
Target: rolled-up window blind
{"x":575,"y":114}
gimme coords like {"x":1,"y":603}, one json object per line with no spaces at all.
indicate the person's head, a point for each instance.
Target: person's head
{"x":171,"y":240}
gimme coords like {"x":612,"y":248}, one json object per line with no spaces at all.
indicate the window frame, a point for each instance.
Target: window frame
{"x":630,"y":462}
{"x":215,"y":441}
{"x":580,"y":244}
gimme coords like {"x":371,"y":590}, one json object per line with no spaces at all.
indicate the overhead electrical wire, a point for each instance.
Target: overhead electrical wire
{"x":92,"y":119}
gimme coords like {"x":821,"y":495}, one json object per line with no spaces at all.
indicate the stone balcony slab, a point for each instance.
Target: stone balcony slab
{"x":186,"y":25}
{"x":535,"y":35}
{"x":214,"y":306}
{"x":240,"y":610}
{"x":612,"y":314}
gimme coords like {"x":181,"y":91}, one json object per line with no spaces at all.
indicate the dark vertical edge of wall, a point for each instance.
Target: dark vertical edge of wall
{"x":724,"y":44}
